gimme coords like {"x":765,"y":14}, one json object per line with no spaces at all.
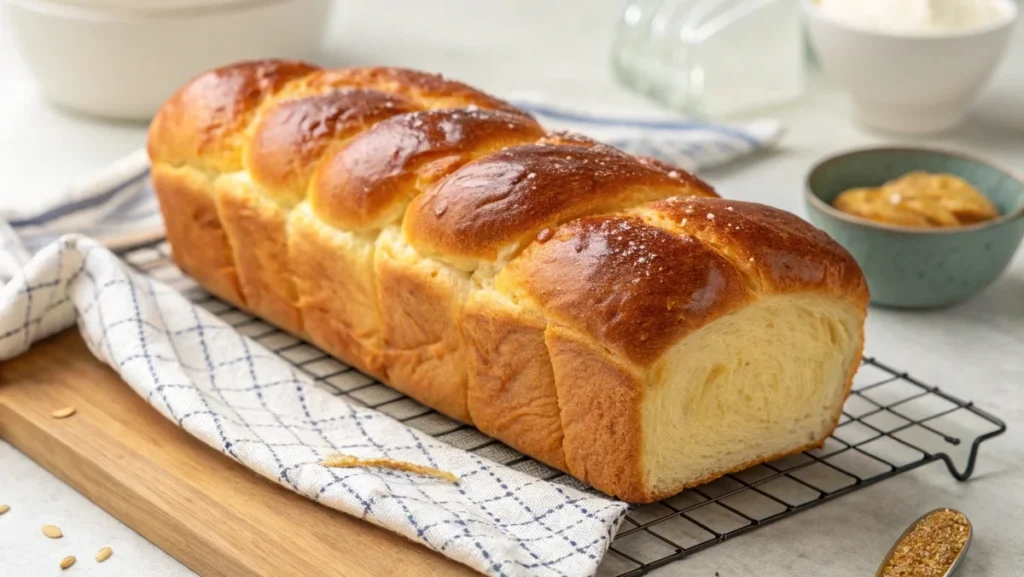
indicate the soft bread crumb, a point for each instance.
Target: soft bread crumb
{"x":343,"y":461}
{"x":724,"y":400}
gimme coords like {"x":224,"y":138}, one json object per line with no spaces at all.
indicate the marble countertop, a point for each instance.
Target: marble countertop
{"x":974,"y":350}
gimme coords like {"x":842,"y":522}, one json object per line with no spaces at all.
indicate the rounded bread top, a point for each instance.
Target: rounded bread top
{"x":291,"y":136}
{"x":368,"y":183}
{"x":203,"y":124}
{"x":640,"y":280}
{"x":633,"y":286}
{"x":501,"y":201}
{"x":207,"y":123}
{"x":777,"y":250}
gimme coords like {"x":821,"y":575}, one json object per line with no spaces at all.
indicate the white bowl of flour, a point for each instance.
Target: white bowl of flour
{"x":910,"y":66}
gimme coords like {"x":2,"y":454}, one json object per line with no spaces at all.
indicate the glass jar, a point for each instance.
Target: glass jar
{"x":711,"y":57}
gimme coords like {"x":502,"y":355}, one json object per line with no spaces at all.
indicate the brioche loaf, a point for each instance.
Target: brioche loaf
{"x":606,"y":314}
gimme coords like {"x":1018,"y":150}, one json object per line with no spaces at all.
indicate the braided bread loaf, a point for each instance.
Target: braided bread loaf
{"x":605,"y":314}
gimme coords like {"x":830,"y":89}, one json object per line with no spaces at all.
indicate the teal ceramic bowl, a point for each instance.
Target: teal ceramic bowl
{"x":913,"y":267}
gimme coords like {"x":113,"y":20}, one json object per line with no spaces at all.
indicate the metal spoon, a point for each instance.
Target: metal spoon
{"x":956,"y":562}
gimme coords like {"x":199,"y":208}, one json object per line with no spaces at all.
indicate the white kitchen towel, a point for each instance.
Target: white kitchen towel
{"x":117,"y":207}
{"x":245,"y":401}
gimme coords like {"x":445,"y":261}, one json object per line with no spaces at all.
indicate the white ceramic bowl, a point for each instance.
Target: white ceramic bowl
{"x":124,"y":64}
{"x":150,"y":5}
{"x":909,"y":83}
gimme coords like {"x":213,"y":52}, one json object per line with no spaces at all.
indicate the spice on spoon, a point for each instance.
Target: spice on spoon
{"x":931,"y":547}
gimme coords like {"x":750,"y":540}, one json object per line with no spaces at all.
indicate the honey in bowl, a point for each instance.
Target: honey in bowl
{"x":919,"y":199}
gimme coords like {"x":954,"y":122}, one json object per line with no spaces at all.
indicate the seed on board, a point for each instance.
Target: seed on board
{"x":67,"y":561}
{"x":104,"y":554}
{"x":63,"y":413}
{"x":52,"y":531}
{"x":4,"y":508}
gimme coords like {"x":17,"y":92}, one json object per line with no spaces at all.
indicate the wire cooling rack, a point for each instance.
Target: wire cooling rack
{"x":891,"y":424}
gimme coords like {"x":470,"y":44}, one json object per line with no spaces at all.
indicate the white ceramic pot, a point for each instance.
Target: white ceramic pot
{"x":909,"y":83}
{"x":124,"y":64}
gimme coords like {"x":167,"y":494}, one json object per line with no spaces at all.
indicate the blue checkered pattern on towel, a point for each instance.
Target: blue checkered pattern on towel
{"x":243,"y":400}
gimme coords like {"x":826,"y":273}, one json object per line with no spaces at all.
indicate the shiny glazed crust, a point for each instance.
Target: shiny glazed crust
{"x":440,"y":239}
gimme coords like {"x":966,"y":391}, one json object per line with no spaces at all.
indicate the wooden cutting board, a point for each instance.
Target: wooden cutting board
{"x":199,"y":506}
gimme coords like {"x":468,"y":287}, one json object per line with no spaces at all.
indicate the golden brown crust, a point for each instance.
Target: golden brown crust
{"x":283,"y":117}
{"x":198,"y":242}
{"x":634,"y":287}
{"x":502,"y":200}
{"x":511,"y":392}
{"x":203,"y":124}
{"x":338,"y":294}
{"x":778,"y":251}
{"x":600,"y":403}
{"x":292,"y":135}
{"x":431,"y":90}
{"x":567,"y":138}
{"x":424,"y":351}
{"x":574,"y":139}
{"x":256,"y":229}
{"x":368,"y":183}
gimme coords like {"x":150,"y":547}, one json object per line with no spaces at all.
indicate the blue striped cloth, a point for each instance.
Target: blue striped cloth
{"x":117,"y":207}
